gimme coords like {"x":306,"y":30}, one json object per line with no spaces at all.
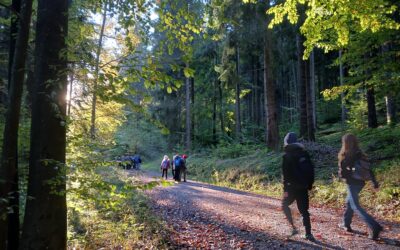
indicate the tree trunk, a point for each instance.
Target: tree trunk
{"x":272,"y":132}
{"x":71,"y":85}
{"x":96,"y":74}
{"x":188,"y":116}
{"x":341,"y":73}
{"x":301,"y":79}
{"x":221,"y":108}
{"x":237,"y":98}
{"x":192,"y":95}
{"x":45,"y":220}
{"x":9,"y":227}
{"x":310,"y":101}
{"x":16,"y":7}
{"x":372,"y":120}
{"x":214,"y":125}
{"x":390,"y":110}
{"x":312,"y":90}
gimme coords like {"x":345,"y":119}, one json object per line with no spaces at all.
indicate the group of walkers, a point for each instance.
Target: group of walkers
{"x":130,"y":161}
{"x":298,"y":179}
{"x":178,"y":166}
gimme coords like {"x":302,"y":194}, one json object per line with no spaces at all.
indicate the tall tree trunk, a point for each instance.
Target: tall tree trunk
{"x":188,"y":115}
{"x":96,"y":74}
{"x":272,"y":132}
{"x":390,"y":110}
{"x":372,"y":120}
{"x":237,"y":98}
{"x":9,"y":227}
{"x":192,"y":95}
{"x":312,"y":90}
{"x":310,"y":102}
{"x":45,"y":220}
{"x":341,"y":74}
{"x":16,"y":8}
{"x":301,"y":79}
{"x":221,"y":108}
{"x":214,"y":116}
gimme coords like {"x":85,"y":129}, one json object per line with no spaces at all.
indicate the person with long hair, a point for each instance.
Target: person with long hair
{"x":349,"y":156}
{"x":165,"y":164}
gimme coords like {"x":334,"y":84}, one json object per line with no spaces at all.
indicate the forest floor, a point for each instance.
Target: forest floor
{"x":203,"y":216}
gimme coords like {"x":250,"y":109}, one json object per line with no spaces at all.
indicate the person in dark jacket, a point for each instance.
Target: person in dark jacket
{"x":298,"y":178}
{"x":349,"y":155}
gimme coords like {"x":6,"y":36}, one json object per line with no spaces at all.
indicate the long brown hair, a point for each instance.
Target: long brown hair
{"x":350,"y":147}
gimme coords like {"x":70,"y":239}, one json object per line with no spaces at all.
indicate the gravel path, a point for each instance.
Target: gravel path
{"x":204,"y":216}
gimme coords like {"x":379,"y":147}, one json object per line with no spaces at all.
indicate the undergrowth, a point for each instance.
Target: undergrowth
{"x":253,"y":168}
{"x":112,"y":213}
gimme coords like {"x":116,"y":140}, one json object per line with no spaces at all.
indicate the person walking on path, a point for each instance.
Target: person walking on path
{"x":178,"y":164}
{"x":165,"y":164}
{"x":184,"y":167}
{"x":298,"y":178}
{"x":173,"y":164}
{"x":351,"y":160}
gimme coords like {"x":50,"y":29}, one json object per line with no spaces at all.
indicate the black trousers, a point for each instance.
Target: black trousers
{"x":301,"y":198}
{"x":165,"y":172}
{"x":177,"y":174}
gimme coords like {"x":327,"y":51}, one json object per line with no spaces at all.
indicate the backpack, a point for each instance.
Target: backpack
{"x":304,"y":171}
{"x":362,"y":170}
{"x":178,"y":162}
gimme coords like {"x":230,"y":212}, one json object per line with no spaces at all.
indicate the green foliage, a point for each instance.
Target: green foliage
{"x":113,"y":214}
{"x":328,"y":24}
{"x":357,"y":115}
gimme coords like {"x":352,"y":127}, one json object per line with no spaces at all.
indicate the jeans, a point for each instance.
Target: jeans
{"x":301,"y":198}
{"x":353,"y":205}
{"x":177,"y":174}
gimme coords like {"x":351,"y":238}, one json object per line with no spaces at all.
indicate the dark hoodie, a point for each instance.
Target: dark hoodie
{"x":292,"y":178}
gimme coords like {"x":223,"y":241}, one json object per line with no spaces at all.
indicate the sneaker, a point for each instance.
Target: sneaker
{"x":374,"y":235}
{"x":346,"y":228}
{"x":309,"y":237}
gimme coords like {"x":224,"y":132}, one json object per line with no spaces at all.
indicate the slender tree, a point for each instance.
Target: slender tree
{"x":9,"y":225}
{"x":96,"y":72}
{"x":45,"y":220}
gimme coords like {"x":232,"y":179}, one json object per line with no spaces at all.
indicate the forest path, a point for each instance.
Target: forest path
{"x":204,"y":216}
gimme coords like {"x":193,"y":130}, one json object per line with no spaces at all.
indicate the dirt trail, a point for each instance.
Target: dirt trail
{"x":204,"y":216}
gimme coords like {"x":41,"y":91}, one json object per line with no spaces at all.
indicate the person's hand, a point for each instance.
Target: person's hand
{"x":285,"y":194}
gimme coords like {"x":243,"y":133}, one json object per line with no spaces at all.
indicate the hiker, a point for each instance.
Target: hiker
{"x":184,"y":167}
{"x":173,"y":164}
{"x":178,"y":162}
{"x":137,"y":161}
{"x":298,"y":178}
{"x":165,"y":164}
{"x":352,"y":161}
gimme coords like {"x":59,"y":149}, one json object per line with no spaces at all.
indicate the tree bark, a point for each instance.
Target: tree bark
{"x":301,"y":79}
{"x":16,"y":7}
{"x":45,"y":220}
{"x":214,"y":116}
{"x":96,"y":74}
{"x":341,"y":73}
{"x":310,"y":102}
{"x":9,"y":227}
{"x":372,"y":119}
{"x":272,"y":132}
{"x":221,"y":108}
{"x":237,"y":98}
{"x":188,"y":115}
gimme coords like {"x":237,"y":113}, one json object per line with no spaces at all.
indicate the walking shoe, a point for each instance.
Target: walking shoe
{"x":374,"y":234}
{"x":346,"y":228}
{"x":309,"y":237}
